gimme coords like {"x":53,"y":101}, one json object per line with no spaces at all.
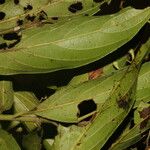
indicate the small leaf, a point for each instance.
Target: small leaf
{"x":143,"y":93}
{"x":66,"y":137}
{"x":48,"y":144}
{"x":7,"y":142}
{"x":24,"y":102}
{"x":6,"y":95}
{"x":32,"y":142}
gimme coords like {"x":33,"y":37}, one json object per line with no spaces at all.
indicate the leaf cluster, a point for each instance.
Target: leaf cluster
{"x":74,"y":75}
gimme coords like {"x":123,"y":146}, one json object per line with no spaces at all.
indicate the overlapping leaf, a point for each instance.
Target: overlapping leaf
{"x":143,"y":93}
{"x":48,"y":144}
{"x":67,"y":137}
{"x":7,"y":142}
{"x":114,"y":110}
{"x":78,"y":42}
{"x":34,"y":139}
{"x":68,"y":99}
{"x":41,"y":9}
{"x":6,"y":95}
{"x":24,"y":102}
{"x":106,"y":70}
{"x":108,"y":117}
{"x":132,"y":136}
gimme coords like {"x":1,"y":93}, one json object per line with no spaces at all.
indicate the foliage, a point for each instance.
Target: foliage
{"x":74,"y":75}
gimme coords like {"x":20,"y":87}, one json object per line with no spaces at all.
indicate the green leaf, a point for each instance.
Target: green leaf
{"x":32,"y":142}
{"x":39,"y":52}
{"x":133,"y":135}
{"x":108,"y":118}
{"x":48,"y":144}
{"x":143,"y":93}
{"x":111,"y":114}
{"x":24,"y":102}
{"x":106,"y":70}
{"x":2,"y":41}
{"x":68,"y":98}
{"x":45,"y":8}
{"x":6,"y":95}
{"x":66,"y":137}
{"x":7,"y":142}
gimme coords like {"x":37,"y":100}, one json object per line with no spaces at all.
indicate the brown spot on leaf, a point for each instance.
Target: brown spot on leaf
{"x":95,"y":74}
{"x":144,"y":123}
{"x":123,"y":101}
{"x":145,"y":113}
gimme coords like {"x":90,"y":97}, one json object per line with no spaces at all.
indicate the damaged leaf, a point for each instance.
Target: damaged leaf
{"x":36,"y":11}
{"x":110,"y":115}
{"x":69,"y":98}
{"x":104,"y":124}
{"x":135,"y":134}
{"x":65,"y":49}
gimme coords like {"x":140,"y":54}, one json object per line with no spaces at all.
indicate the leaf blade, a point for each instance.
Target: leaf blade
{"x":47,"y":54}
